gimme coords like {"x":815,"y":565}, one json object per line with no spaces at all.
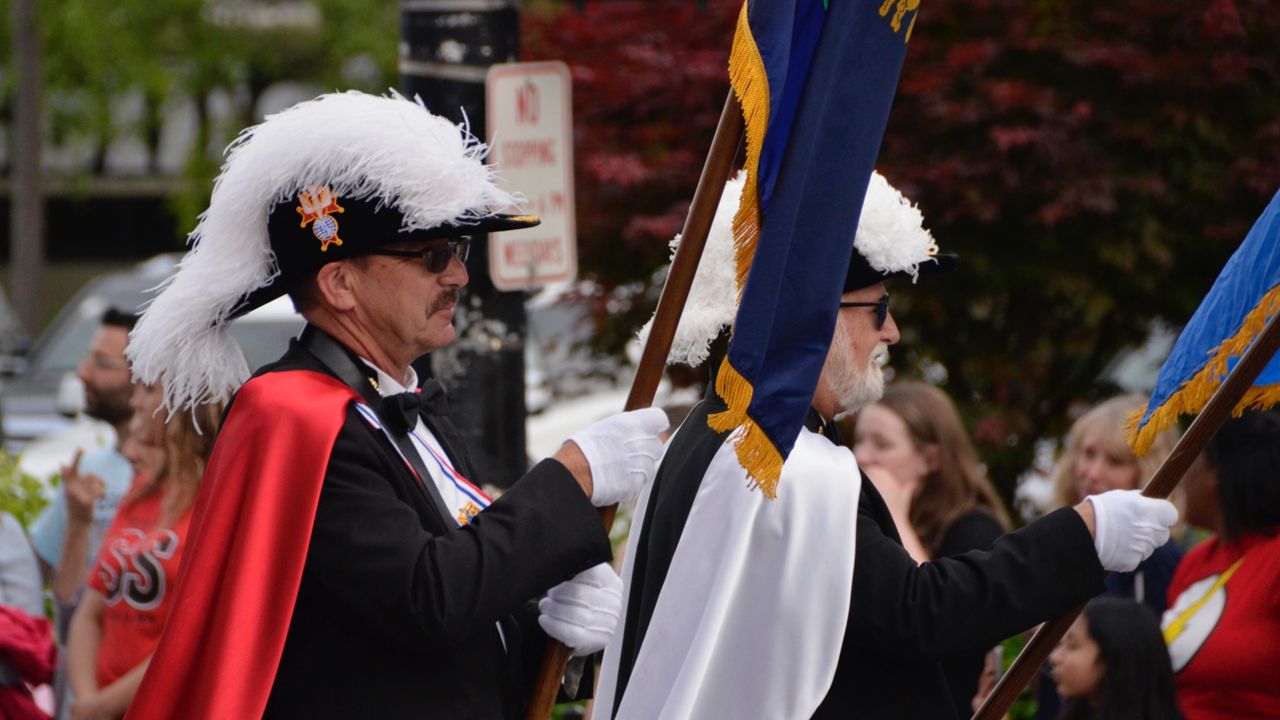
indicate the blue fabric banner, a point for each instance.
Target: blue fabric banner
{"x":816,"y":84}
{"x":1245,"y":296}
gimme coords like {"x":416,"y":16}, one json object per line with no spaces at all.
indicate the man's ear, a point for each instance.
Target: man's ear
{"x":337,"y":285}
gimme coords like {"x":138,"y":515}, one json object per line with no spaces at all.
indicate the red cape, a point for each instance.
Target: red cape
{"x":245,"y":551}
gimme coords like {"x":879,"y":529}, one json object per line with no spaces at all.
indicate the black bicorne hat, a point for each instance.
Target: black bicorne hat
{"x":861,"y":274}
{"x":318,"y":227}
{"x":330,"y":178}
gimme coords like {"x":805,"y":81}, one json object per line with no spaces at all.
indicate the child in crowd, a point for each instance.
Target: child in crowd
{"x":1113,"y":665}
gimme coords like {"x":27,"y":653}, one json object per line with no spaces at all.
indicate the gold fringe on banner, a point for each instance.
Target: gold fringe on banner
{"x":756,"y":452}
{"x":1195,"y":393}
{"x":751,"y":85}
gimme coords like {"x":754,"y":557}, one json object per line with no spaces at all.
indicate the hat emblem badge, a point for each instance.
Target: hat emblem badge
{"x":316,"y":206}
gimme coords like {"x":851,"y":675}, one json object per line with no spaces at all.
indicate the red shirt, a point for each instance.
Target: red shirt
{"x":1223,"y":629}
{"x":135,"y":572}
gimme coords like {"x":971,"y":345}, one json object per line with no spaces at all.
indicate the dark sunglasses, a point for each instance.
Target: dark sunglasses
{"x":881,"y":306}
{"x":437,"y":256}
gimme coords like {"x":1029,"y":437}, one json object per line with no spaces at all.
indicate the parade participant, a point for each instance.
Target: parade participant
{"x":119,"y":621}
{"x":1224,"y":601}
{"x":738,"y":606}
{"x":342,"y":561}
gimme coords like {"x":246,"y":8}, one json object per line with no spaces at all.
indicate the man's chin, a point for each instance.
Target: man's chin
{"x":868,"y":392}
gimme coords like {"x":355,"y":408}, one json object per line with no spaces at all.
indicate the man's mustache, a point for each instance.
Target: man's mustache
{"x":444,"y":300}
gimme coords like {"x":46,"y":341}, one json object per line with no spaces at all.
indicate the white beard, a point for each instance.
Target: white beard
{"x":853,"y":387}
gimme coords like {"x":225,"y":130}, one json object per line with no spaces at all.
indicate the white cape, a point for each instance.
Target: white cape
{"x":750,"y":619}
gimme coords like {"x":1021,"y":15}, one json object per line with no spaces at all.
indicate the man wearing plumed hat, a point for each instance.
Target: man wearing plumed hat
{"x":343,"y":561}
{"x":808,"y":606}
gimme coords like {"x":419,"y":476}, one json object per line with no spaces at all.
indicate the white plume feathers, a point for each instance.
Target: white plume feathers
{"x":388,"y":149}
{"x":891,"y":233}
{"x":891,"y":236}
{"x":713,"y":297}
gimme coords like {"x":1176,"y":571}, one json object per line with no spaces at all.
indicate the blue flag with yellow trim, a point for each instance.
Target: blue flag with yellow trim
{"x":815,"y":81}
{"x":1245,"y":296}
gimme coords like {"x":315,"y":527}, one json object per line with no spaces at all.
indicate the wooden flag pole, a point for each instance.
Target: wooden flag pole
{"x":653,"y":361}
{"x":1191,"y":444}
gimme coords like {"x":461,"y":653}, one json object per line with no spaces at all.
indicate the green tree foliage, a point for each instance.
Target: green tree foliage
{"x":96,"y":54}
{"x":20,"y":494}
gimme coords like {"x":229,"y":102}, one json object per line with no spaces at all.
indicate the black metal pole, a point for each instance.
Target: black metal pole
{"x":446,"y":47}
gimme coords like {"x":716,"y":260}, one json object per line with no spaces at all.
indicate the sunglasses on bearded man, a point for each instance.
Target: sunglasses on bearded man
{"x":881,"y":306}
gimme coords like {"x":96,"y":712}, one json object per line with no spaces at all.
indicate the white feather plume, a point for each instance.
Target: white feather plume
{"x":713,"y":297}
{"x":891,"y":233}
{"x":387,"y":149}
{"x":891,"y":236}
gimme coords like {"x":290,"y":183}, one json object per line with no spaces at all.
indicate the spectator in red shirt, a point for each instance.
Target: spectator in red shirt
{"x":119,"y":621}
{"x":1223,"y":620}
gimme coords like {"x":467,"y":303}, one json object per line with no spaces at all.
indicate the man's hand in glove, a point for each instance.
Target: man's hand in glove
{"x":1127,"y":527}
{"x":615,"y":457}
{"x":583,"y":611}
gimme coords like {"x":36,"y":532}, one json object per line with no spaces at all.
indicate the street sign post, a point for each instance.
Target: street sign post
{"x":529,"y":118}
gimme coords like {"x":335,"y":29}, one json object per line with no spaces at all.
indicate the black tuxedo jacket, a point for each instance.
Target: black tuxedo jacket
{"x":904,"y":618}
{"x":398,"y":610}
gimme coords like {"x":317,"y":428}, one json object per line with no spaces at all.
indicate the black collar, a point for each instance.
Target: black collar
{"x":343,"y":363}
{"x":826,"y":428}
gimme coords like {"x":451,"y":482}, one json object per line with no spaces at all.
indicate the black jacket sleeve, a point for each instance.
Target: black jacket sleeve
{"x":374,"y":559}
{"x":974,"y":530}
{"x":974,"y":599}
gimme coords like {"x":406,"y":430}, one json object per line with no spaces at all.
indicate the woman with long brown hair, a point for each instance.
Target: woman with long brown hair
{"x":913,"y":446}
{"x":118,"y":623}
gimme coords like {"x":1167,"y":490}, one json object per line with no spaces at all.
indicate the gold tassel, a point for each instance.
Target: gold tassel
{"x":747,"y":75}
{"x":761,"y":460}
{"x":736,"y":392}
{"x":756,"y":452}
{"x":1196,"y":392}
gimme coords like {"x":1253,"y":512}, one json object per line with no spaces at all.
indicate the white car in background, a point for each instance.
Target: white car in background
{"x":42,"y":399}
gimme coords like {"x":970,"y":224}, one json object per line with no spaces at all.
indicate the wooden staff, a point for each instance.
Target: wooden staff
{"x":653,"y":361}
{"x":1191,"y":444}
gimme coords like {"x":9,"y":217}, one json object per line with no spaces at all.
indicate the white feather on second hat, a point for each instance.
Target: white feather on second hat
{"x":891,"y":236}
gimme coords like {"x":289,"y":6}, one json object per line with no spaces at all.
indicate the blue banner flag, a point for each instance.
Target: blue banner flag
{"x":816,"y":82}
{"x":1245,"y":296}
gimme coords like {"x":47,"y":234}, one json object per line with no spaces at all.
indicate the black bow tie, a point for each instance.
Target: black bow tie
{"x":401,"y":411}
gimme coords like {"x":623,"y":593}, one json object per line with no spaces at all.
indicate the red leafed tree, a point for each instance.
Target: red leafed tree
{"x":1093,"y":163}
{"x":649,"y":79}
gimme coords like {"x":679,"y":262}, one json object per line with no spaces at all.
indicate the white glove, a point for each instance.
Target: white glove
{"x":1129,"y":527}
{"x":583,"y":611}
{"x":623,"y":452}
